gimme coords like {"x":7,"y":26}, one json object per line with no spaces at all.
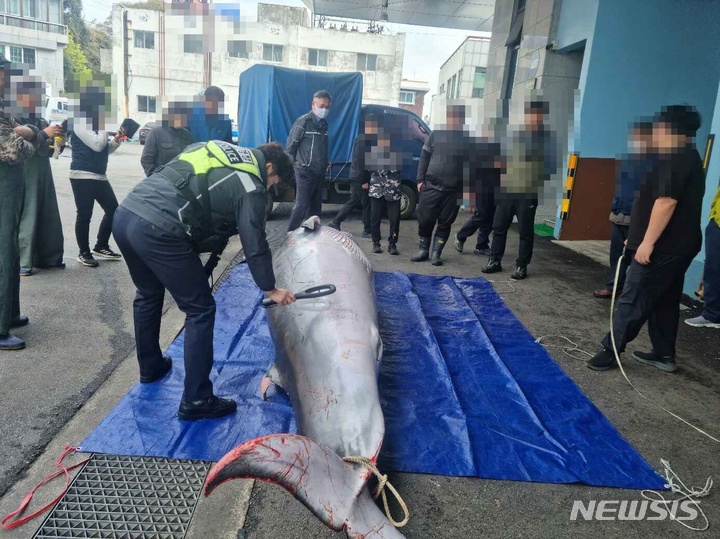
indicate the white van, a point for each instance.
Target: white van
{"x":56,"y":109}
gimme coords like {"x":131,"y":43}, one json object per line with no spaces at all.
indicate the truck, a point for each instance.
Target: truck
{"x":272,"y":98}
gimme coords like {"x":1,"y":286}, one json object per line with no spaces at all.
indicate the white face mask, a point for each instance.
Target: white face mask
{"x":637,"y":146}
{"x":321,"y":113}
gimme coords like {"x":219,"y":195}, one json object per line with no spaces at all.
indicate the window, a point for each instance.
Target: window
{"x":146,"y":103}
{"x":194,"y":45}
{"x":144,"y":40}
{"x":407,"y":98}
{"x":479,"y":82}
{"x":510,"y":76}
{"x":458,"y":86}
{"x":451,"y":87}
{"x":19,"y":55}
{"x":317,"y":57}
{"x":366,"y":62}
{"x":272,"y":53}
{"x":30,"y":9}
{"x":442,"y":89}
{"x":239,"y":49}
{"x":54,"y":11}
{"x":13,"y":7}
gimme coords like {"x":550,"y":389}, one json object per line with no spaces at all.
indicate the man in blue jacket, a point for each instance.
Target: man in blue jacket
{"x":632,"y":171}
{"x":210,"y":123}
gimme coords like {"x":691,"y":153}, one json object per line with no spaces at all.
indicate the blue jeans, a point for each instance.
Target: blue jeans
{"x":711,"y":278}
{"x":308,"y":197}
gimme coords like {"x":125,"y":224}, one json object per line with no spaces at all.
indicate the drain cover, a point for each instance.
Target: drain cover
{"x":128,"y":498}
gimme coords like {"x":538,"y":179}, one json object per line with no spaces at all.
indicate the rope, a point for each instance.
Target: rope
{"x":380,"y":490}
{"x":8,"y":523}
{"x":573,"y":346}
{"x":687,"y":494}
{"x":508,"y":282}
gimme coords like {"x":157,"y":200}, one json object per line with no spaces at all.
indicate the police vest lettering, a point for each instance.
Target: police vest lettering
{"x":204,"y":157}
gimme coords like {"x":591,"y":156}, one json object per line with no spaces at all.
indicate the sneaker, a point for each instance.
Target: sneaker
{"x":604,"y":360}
{"x":392,"y":249}
{"x":666,"y":364}
{"x":459,"y":244}
{"x":520,"y":273}
{"x":206,"y":408}
{"x":159,"y":373}
{"x":86,"y":259}
{"x":493,"y":266}
{"x":107,"y":254}
{"x":366,"y":234}
{"x":699,"y":322}
{"x":482,"y":251}
{"x":26,"y":272}
{"x":377,"y":248}
{"x":334,"y":225}
{"x":11,"y":342}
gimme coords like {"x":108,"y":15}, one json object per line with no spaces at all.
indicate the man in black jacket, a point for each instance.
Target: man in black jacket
{"x":307,"y":144}
{"x":193,"y":205}
{"x":360,"y":177}
{"x":165,"y":142}
{"x":444,"y":168}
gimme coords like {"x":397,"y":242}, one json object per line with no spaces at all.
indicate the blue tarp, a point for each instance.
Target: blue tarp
{"x":465,"y":390}
{"x":272,"y":98}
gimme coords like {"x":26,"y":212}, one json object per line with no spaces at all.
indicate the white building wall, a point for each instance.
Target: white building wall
{"x":48,"y":52}
{"x":279,"y":25}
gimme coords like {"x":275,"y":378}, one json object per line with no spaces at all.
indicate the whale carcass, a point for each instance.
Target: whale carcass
{"x":328,"y":352}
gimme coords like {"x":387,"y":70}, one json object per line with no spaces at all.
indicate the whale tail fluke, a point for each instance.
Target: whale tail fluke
{"x":334,"y":490}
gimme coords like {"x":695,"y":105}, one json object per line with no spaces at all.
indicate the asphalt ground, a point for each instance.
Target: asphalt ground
{"x":80,"y":352}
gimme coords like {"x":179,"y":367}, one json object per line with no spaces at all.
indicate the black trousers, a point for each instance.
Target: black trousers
{"x":652,"y":294}
{"x":308,"y":196}
{"x":436,"y":208}
{"x":617,"y":245}
{"x":481,"y":221}
{"x":86,"y":193}
{"x":525,"y":210}
{"x":377,"y":205}
{"x":358,"y":195}
{"x":159,"y":261}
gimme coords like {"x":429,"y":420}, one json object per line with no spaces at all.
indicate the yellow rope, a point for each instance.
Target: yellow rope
{"x":380,"y":490}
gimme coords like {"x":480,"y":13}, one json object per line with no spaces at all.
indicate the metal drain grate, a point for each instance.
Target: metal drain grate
{"x":128,"y":498}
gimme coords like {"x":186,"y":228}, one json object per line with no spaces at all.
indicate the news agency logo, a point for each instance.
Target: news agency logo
{"x":680,"y":510}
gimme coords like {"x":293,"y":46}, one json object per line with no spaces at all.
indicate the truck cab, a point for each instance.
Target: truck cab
{"x":336,"y":189}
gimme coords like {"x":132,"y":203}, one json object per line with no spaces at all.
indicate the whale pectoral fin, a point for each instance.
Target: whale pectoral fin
{"x":311,"y":223}
{"x":271,"y":378}
{"x":335,"y":491}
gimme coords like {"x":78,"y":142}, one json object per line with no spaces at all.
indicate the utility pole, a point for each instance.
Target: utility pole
{"x":126,"y":61}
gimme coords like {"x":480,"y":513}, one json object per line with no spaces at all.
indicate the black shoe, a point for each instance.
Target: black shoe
{"x":159,"y":373}
{"x":206,"y":408}
{"x":19,"y":322}
{"x":459,"y":244}
{"x":11,"y":342}
{"x":86,"y":259}
{"x":366,"y":234}
{"x":493,"y":266}
{"x":666,"y":364}
{"x":376,"y":247}
{"x":482,"y":251}
{"x":392,"y":249}
{"x":57,"y":265}
{"x":423,"y":252}
{"x":438,"y":246}
{"x":604,"y":360}
{"x":520,"y":273}
{"x":107,"y":254}
{"x":334,"y":225}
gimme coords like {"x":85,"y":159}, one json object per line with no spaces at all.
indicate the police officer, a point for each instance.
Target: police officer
{"x":192,"y":205}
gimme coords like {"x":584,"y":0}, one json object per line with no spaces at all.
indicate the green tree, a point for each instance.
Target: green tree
{"x":100,"y":37}
{"x":75,"y":61}
{"x":73,"y":17}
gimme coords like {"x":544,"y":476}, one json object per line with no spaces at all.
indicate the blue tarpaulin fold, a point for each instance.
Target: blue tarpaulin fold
{"x":465,"y":389}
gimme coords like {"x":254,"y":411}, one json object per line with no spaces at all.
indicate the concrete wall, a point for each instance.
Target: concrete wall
{"x":48,"y":47}
{"x":279,"y":25}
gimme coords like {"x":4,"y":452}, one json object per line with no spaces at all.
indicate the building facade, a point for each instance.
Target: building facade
{"x":463,"y":75}
{"x":412,"y":95}
{"x":32,"y":33}
{"x":174,"y":53}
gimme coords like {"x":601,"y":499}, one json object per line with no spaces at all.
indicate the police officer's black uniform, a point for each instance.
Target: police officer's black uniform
{"x":160,"y":228}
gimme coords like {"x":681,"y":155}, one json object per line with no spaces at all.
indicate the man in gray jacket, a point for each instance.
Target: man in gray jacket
{"x":165,"y":142}
{"x":307,"y":144}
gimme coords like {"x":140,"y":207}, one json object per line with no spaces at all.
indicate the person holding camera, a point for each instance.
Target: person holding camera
{"x":192,"y":205}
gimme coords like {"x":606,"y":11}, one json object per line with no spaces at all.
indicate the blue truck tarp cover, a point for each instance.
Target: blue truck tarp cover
{"x":272,"y":98}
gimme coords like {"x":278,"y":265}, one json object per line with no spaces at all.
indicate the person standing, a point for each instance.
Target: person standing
{"x":632,"y":171}
{"x":664,"y":237}
{"x":308,"y":144}
{"x":384,"y":192}
{"x":17,"y":145}
{"x":167,"y":141}
{"x":359,"y":176}
{"x":444,"y":167}
{"x":91,"y":146}
{"x":710,"y":317}
{"x":41,"y":236}
{"x":193,"y":205}
{"x":209,"y":122}
{"x":532,"y":161}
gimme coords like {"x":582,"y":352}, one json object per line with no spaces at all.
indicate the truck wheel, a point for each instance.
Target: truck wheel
{"x":269,"y":206}
{"x":408,"y":201}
